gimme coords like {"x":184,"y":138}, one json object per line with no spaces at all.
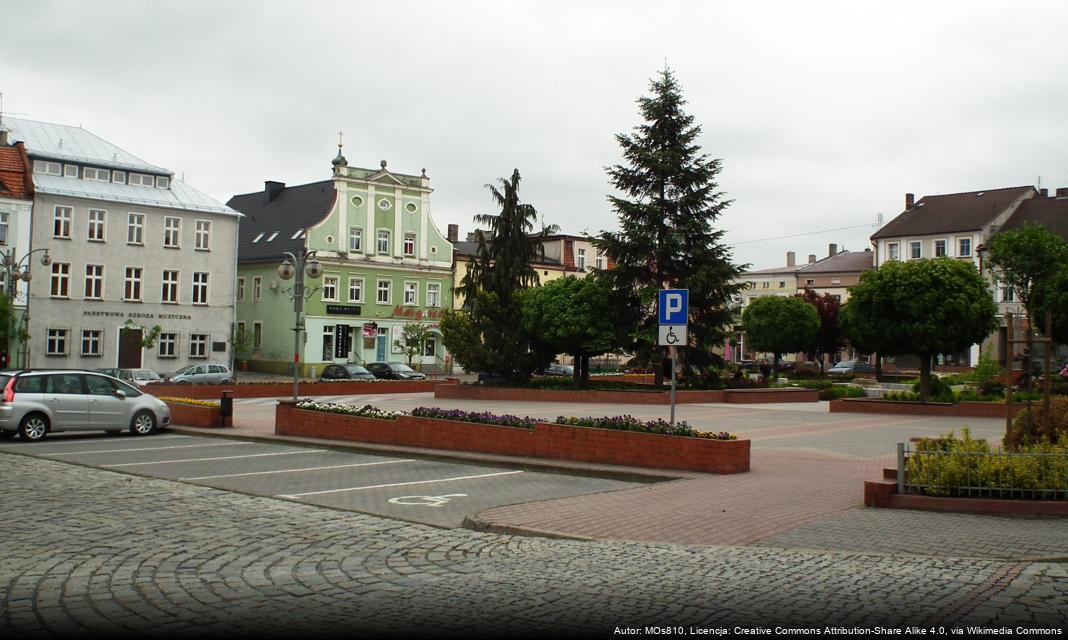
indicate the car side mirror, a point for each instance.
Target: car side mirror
{"x":119,"y":393}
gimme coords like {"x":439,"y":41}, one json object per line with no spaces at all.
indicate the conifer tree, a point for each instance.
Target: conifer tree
{"x":668,"y":200}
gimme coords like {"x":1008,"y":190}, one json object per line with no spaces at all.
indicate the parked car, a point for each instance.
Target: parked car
{"x":394,"y":371}
{"x":346,"y":372}
{"x":851,"y":366}
{"x":559,"y":370}
{"x":37,"y":402}
{"x":202,"y":374}
{"x":140,"y":377}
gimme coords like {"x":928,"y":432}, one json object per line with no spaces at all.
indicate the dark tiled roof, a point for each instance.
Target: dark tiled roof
{"x":294,"y":208}
{"x":842,"y":262}
{"x":1051,"y":213}
{"x":463,"y":249}
{"x":14,"y":179}
{"x":951,"y":213}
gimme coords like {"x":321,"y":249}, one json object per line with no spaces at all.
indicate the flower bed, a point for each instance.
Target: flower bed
{"x":556,"y":441}
{"x":189,"y":412}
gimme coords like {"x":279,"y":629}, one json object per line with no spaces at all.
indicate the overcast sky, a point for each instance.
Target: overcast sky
{"x":824,"y":114}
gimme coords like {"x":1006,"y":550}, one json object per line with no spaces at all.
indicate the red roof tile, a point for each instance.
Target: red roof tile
{"x":14,"y":175}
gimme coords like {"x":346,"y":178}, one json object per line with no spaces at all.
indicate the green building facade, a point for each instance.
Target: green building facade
{"x":384,"y":265}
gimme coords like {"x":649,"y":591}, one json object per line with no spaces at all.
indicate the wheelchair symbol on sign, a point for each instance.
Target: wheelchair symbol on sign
{"x":671,"y":338}
{"x":425,"y":501}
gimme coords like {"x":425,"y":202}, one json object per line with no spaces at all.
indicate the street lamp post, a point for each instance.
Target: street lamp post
{"x":305,"y":264}
{"x":14,"y":271}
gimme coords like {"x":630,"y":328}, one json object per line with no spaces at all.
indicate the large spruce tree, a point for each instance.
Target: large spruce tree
{"x":668,"y":200}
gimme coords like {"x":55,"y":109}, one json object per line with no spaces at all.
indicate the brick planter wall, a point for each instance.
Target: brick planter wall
{"x":477,"y":392}
{"x":544,"y":441}
{"x":884,"y":494}
{"x":188,"y":415}
{"x":965,"y":409}
{"x":282,"y":389}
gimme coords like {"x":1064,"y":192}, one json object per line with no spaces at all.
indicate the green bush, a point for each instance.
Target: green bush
{"x":939,"y":391}
{"x":840,"y":391}
{"x":902,"y":396}
{"x":1030,"y":424}
{"x":948,"y":466}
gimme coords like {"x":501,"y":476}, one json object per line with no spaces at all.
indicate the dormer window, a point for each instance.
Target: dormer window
{"x":100,"y":175}
{"x":258,"y":238}
{"x":273,"y":236}
{"x":163,"y":182}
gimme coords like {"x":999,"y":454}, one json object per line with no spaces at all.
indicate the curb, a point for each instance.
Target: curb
{"x":475,"y":523}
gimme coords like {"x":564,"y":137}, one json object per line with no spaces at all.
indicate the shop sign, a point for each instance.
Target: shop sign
{"x":343,"y":309}
{"x":415,"y":314}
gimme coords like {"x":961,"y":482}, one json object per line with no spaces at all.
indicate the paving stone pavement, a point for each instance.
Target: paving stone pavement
{"x":88,"y":551}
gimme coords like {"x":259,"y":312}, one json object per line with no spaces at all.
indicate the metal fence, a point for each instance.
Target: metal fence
{"x":986,"y":474}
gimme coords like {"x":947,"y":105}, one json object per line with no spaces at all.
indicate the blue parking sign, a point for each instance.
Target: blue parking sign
{"x":674,"y":307}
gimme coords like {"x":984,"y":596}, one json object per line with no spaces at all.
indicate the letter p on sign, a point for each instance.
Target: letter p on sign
{"x":674,"y":306}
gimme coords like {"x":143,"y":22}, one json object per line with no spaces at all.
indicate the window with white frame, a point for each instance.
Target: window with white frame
{"x":91,"y":339}
{"x":92,"y":173}
{"x":940,"y":248}
{"x":915,"y":250}
{"x":1008,"y":294}
{"x":330,"y":284}
{"x":135,"y":228}
{"x":141,"y":179}
{"x":257,"y":335}
{"x":198,"y":345}
{"x":172,"y":232}
{"x":257,"y":288}
{"x":202,"y":241}
{"x":163,"y":182}
{"x":60,"y":280}
{"x":409,"y":244}
{"x":836,"y":281}
{"x":48,"y":168}
{"x":580,"y":262}
{"x":964,"y":247}
{"x":132,"y":284}
{"x":240,"y":289}
{"x":411,"y":293}
{"x":97,"y":220}
{"x":893,"y":251}
{"x":118,"y":177}
{"x":56,"y":341}
{"x":200,"y":287}
{"x":383,"y":241}
{"x":433,"y":294}
{"x":355,"y":289}
{"x":3,"y":227}
{"x":168,"y":345}
{"x":355,"y":239}
{"x":170,"y":287}
{"x":61,"y":223}
{"x":70,"y":171}
{"x":599,"y":261}
{"x":94,"y":282}
{"x":384,"y":287}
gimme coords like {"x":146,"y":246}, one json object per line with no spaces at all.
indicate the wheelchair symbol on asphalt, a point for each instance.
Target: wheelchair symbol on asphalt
{"x":426,"y":501}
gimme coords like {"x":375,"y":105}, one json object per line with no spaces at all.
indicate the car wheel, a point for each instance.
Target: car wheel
{"x":34,"y":427}
{"x":143,"y":423}
{"x":7,"y":435}
{"x":225,"y":381}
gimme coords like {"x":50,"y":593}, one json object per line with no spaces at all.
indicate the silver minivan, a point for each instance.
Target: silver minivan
{"x":203,"y":374}
{"x":38,"y":402}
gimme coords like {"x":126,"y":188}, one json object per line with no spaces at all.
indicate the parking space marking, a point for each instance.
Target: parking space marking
{"x":253,"y":455}
{"x":51,"y":442}
{"x":181,"y":446}
{"x":335,"y":466}
{"x":399,"y":484}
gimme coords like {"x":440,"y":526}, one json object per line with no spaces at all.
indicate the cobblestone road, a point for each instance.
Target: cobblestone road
{"x":90,"y":551}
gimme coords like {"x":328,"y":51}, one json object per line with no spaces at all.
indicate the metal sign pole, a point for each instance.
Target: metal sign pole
{"x":674,"y":365}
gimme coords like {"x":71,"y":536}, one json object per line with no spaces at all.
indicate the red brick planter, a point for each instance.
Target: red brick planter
{"x":189,"y":415}
{"x":544,"y":441}
{"x":478,"y":392}
{"x":965,"y":409}
{"x":884,"y":494}
{"x":282,"y":389}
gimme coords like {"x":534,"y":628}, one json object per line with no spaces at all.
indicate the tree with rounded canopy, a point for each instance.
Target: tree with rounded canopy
{"x":1024,"y":258}
{"x":575,"y":316}
{"x":1051,"y":294}
{"x":780,"y":325}
{"x":922,"y":307}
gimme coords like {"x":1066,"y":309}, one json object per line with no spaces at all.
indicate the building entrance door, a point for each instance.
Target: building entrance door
{"x":130,"y":348}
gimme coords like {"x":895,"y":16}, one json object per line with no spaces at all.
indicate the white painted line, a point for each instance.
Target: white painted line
{"x":78,"y":441}
{"x":181,"y":446}
{"x":254,"y":455}
{"x":262,"y":473}
{"x":399,"y":484}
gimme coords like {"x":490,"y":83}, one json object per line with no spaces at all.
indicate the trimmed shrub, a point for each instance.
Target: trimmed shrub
{"x":1030,"y":424}
{"x":840,"y":391}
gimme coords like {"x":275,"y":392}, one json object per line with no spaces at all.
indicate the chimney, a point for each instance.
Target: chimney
{"x":1062,"y":192}
{"x":832,"y":250}
{"x":791,"y":257}
{"x":453,"y":233}
{"x":1043,"y":193}
{"x":812,"y":258}
{"x":909,"y":201}
{"x":271,"y":189}
{"x":3,"y":137}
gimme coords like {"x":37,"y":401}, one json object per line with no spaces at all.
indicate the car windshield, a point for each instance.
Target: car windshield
{"x":398,"y":366}
{"x":355,"y":369}
{"x":145,"y":374}
{"x":186,"y":371}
